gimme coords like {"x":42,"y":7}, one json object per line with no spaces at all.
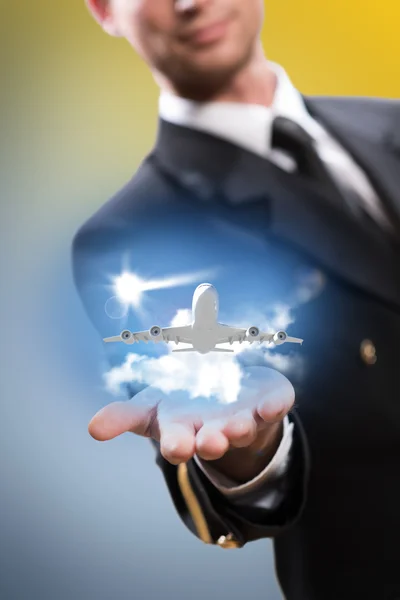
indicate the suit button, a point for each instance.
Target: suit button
{"x":368,"y":352}
{"x":228,"y":541}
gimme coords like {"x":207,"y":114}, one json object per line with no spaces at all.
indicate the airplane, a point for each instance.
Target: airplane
{"x":204,"y":333}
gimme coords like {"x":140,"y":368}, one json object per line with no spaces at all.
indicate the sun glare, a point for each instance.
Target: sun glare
{"x":129,"y":288}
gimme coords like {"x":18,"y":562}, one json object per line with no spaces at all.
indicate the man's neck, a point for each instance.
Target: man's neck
{"x":254,"y":84}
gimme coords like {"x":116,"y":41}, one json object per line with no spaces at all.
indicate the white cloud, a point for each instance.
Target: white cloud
{"x":285,"y":363}
{"x":183,"y":317}
{"x":310,"y":286}
{"x":282,"y":317}
{"x":199,"y":375}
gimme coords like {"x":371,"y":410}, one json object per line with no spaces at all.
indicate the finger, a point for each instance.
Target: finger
{"x":277,"y":402}
{"x":211,"y":442}
{"x":138,"y":415}
{"x":120,"y":417}
{"x":177,"y":441}
{"x":241,"y":429}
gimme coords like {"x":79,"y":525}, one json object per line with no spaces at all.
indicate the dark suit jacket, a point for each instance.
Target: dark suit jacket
{"x":334,"y":515}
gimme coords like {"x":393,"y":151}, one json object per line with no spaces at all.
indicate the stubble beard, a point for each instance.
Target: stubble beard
{"x":201,"y":84}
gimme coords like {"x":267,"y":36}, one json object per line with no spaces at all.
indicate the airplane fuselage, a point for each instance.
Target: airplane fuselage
{"x":205,"y":318}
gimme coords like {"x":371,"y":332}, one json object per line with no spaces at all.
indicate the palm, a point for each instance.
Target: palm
{"x":185,"y":426}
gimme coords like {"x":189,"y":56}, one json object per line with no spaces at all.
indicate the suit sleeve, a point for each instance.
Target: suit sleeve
{"x":232,"y":522}
{"x":212,"y":516}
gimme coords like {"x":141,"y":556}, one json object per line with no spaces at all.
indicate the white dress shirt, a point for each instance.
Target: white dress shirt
{"x":250,"y":126}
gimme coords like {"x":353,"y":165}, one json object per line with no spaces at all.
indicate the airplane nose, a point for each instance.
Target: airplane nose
{"x":204,"y":287}
{"x":209,"y":290}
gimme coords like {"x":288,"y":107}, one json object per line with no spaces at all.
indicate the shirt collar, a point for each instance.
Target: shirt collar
{"x":247,"y":125}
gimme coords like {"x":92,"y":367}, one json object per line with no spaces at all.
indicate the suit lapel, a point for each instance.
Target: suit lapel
{"x":371,"y":135}
{"x":289,"y":209}
{"x":300,"y":215}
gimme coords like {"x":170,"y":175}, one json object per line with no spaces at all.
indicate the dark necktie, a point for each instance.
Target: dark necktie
{"x":289,"y":136}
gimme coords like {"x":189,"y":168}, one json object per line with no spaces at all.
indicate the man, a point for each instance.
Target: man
{"x":316,"y":182}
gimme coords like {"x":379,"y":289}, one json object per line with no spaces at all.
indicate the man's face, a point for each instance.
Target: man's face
{"x":191,"y":42}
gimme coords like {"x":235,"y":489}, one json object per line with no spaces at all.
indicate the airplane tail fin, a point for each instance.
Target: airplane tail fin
{"x":193,"y":350}
{"x":184,"y":350}
{"x":221,"y":350}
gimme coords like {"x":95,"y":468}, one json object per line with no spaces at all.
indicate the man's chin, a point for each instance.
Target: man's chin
{"x":204,"y":76}
{"x":213,"y":60}
{"x":202,"y":85}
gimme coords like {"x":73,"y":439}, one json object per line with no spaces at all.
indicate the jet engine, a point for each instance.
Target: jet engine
{"x":252,"y":333}
{"x":156,"y":333}
{"x":279,"y":338}
{"x":127,"y":337}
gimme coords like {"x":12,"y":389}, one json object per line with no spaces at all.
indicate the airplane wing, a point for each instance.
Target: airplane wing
{"x":228,"y":335}
{"x":179,"y":335}
{"x":166,"y":334}
{"x":294,"y":340}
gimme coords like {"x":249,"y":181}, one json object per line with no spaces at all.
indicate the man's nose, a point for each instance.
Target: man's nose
{"x":187,"y":6}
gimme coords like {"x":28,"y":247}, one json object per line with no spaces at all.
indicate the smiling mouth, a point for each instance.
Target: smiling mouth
{"x":209,"y":34}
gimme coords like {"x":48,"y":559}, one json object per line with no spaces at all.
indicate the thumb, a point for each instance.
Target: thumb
{"x":120,"y":417}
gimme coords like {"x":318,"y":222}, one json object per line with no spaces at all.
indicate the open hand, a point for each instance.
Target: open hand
{"x":202,"y":426}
